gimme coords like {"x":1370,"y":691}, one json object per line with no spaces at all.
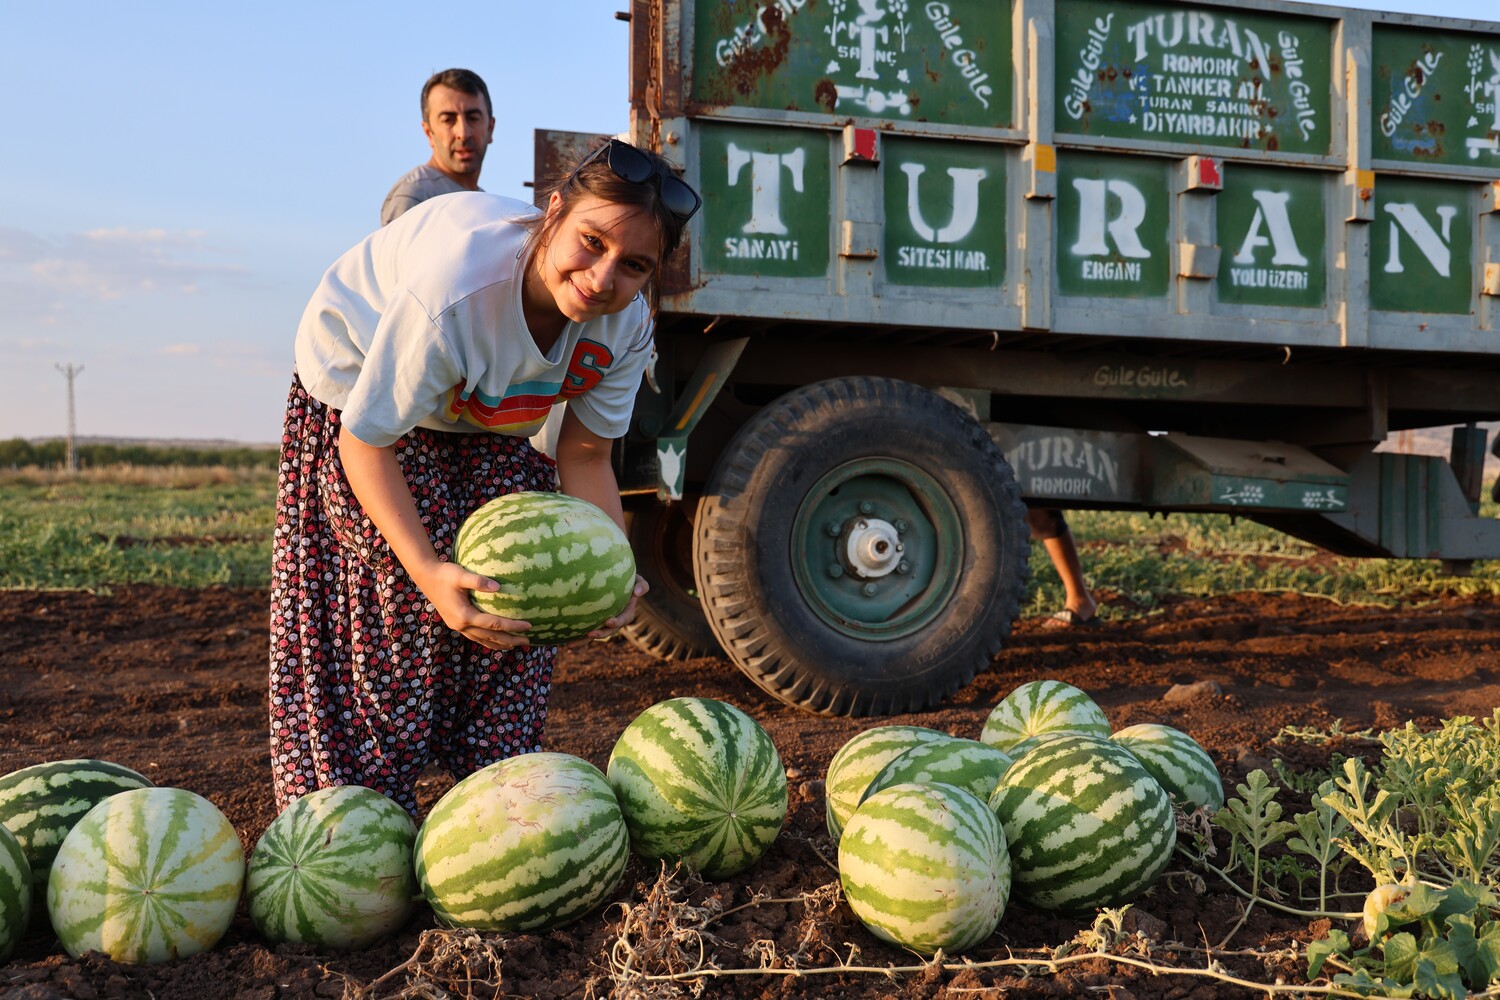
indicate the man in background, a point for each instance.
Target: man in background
{"x":459,"y":122}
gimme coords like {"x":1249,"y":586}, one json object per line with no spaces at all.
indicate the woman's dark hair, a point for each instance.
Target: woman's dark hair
{"x":592,"y":175}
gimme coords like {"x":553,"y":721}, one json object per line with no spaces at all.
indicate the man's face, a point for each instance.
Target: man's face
{"x":459,"y":129}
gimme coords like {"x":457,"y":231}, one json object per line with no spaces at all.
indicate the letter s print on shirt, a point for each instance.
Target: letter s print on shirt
{"x":591,"y":361}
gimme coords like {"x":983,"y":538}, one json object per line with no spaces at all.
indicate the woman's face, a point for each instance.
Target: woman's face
{"x":599,"y":257}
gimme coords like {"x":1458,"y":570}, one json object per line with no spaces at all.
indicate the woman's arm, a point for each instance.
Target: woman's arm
{"x":378,"y":484}
{"x":584,"y":471}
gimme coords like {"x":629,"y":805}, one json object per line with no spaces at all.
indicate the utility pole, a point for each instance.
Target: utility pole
{"x":69,"y":371}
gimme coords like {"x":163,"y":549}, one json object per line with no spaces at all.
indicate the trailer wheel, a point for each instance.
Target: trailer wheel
{"x":862,"y":548}
{"x":669,"y":622}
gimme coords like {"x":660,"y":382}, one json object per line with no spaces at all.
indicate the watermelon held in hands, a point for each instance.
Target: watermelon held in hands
{"x":1087,"y":825}
{"x":562,"y":563}
{"x":39,"y":805}
{"x":926,"y":867}
{"x":146,"y":876}
{"x":528,"y":843}
{"x":1038,"y":707}
{"x":15,"y":893}
{"x":701,"y":782}
{"x":334,"y":870}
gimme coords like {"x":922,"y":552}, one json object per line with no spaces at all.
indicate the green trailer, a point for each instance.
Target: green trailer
{"x":961,"y":255}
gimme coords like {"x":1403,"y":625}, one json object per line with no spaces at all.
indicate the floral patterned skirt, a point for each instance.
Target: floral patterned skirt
{"x":368,"y":685}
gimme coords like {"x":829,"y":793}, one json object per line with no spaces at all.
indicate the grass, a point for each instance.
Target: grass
{"x":173,"y":526}
{"x":197,"y":527}
{"x":1137,"y":560}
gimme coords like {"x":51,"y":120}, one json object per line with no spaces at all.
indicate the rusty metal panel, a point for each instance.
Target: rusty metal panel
{"x":553,"y":154}
{"x":945,"y":61}
{"x":1194,"y":74}
{"x":1437,"y":96}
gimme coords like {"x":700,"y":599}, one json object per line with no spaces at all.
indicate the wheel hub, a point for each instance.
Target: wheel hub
{"x":873,"y":548}
{"x":877,"y":546}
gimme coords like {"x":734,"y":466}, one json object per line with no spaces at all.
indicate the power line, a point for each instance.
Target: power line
{"x":69,"y":371}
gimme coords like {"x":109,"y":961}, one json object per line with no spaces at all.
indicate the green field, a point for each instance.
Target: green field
{"x":173,"y":527}
{"x":203,"y":527}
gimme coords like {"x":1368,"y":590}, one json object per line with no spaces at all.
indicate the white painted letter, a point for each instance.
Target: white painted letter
{"x":1093,"y":221}
{"x":1271,"y":214}
{"x":765,"y":183}
{"x":1434,"y":247}
{"x":965,"y":203}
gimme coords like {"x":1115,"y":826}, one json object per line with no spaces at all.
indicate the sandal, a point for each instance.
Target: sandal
{"x":1068,"y":618}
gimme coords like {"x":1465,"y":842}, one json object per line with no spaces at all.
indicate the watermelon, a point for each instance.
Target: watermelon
{"x":40,"y":804}
{"x":333,"y":870}
{"x":1176,"y":760}
{"x":15,"y":892}
{"x":858,"y":761}
{"x":528,"y":843}
{"x":1087,"y":825}
{"x":145,"y":876}
{"x":925,"y":867}
{"x":973,"y":766}
{"x":1042,"y":707}
{"x":701,"y":782}
{"x":562,"y":564}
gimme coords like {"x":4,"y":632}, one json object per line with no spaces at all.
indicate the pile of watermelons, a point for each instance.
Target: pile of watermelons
{"x":1047,"y":805}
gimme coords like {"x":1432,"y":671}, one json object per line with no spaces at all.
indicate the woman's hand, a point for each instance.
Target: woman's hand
{"x":607,"y":631}
{"x":447,"y":586}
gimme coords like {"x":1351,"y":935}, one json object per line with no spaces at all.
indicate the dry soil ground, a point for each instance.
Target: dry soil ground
{"x":171,"y":683}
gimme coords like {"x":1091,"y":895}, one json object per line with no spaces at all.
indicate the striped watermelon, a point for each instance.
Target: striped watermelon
{"x":699,"y":780}
{"x":968,"y":764}
{"x":1016,"y":750}
{"x":562,"y":564}
{"x":1042,"y":707}
{"x":1087,"y":824}
{"x":40,"y":804}
{"x":333,"y":870}
{"x":1176,"y":760}
{"x":858,"y":761}
{"x":15,"y":892}
{"x":528,"y":843}
{"x":147,"y":875}
{"x":925,"y":867}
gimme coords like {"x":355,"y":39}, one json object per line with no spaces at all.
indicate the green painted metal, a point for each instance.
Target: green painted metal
{"x":698,"y":394}
{"x":1422,"y":246}
{"x":864,"y":496}
{"x":1073,"y":466}
{"x":768,"y":195}
{"x":1273,"y":226}
{"x":1113,"y":225}
{"x":947,"y":62}
{"x":1201,"y":75}
{"x":944,"y":213}
{"x":1185,"y":472}
{"x":1436,"y":96}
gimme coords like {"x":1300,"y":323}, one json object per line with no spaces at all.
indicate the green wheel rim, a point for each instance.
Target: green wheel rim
{"x":876,"y":549}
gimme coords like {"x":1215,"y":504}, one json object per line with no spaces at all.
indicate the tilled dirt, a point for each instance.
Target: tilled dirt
{"x":172,"y":683}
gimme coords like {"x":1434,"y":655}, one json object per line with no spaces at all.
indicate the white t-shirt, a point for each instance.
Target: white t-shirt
{"x":421,"y":325}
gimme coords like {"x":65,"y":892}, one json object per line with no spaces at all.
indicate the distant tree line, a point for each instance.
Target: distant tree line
{"x":18,"y":453}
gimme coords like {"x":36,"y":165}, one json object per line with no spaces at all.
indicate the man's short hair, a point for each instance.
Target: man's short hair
{"x":463,"y":80}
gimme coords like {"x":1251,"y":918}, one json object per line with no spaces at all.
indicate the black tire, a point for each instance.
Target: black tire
{"x":922,"y":483}
{"x":669,"y":621}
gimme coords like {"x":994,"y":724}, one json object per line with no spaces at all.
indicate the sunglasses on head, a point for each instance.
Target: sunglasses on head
{"x":630,"y":164}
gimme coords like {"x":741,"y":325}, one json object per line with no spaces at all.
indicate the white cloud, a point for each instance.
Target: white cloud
{"x":179,"y":349}
{"x":47,"y":278}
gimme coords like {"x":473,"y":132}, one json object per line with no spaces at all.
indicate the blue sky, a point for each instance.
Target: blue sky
{"x":177,"y":175}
